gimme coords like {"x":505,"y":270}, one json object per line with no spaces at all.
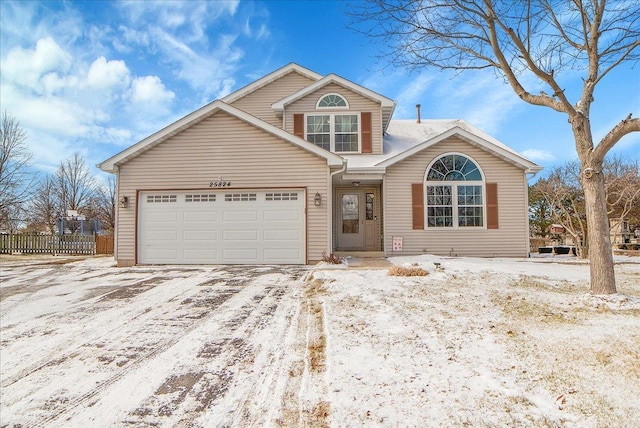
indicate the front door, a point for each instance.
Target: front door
{"x":356,"y":219}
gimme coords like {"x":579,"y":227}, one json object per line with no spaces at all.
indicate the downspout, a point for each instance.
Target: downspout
{"x":330,"y":202}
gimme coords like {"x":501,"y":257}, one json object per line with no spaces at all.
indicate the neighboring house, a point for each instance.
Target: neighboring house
{"x":296,"y":165}
{"x":619,"y":231}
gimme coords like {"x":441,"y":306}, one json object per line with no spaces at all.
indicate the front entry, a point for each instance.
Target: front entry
{"x":357,"y":219}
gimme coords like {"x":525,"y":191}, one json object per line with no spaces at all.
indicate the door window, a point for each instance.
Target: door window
{"x":350,"y":214}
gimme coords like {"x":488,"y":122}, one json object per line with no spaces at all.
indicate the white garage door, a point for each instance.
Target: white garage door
{"x":209,"y":227}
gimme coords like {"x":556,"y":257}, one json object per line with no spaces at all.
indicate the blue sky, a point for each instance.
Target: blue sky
{"x":95,"y":77}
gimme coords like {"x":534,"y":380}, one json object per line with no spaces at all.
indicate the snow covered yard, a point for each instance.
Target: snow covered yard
{"x":87,"y":344}
{"x":477,"y":342}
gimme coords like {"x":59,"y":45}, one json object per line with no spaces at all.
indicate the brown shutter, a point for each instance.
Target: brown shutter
{"x":417,"y":204}
{"x":298,"y":125}
{"x":492,"y":205}
{"x":367,"y":142}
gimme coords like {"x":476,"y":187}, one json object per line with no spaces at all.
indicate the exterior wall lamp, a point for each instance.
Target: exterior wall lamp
{"x":124,"y":201}
{"x":317,"y":200}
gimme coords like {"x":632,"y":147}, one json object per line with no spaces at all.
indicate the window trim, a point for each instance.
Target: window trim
{"x":454,"y":194}
{"x":332,"y":132}
{"x":318,"y":107}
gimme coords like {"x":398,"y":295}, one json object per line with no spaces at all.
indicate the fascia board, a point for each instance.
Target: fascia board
{"x":110,"y":165}
{"x":275,"y":75}
{"x":527,"y":165}
{"x":333,"y":78}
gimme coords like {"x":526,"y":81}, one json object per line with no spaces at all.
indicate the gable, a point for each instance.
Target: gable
{"x":258,"y":102}
{"x":221,"y":144}
{"x":475,"y":139}
{"x":494,"y":168}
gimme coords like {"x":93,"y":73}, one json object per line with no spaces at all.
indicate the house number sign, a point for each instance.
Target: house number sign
{"x":219,"y":183}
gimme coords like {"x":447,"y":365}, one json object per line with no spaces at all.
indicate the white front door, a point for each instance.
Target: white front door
{"x":226,"y":226}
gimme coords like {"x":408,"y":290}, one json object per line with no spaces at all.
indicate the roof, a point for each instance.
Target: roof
{"x":271,"y":77}
{"x":388,"y":105}
{"x":111,"y":164}
{"x":405,"y":138}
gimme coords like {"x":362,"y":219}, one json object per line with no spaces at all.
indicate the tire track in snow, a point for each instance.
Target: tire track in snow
{"x":176,"y":329}
{"x":221,"y":370}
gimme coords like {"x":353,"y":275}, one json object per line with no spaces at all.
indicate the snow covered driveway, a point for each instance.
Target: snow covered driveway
{"x":88,"y":344}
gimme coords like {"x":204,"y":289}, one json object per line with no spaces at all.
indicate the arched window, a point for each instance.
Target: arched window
{"x":332,"y":100}
{"x":454,"y":192}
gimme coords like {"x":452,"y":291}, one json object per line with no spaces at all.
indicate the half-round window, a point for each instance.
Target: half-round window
{"x":454,"y":168}
{"x":332,"y":100}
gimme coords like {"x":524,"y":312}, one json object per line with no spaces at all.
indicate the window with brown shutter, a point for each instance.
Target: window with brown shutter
{"x":492,"y":205}
{"x":417,"y":204}
{"x":298,"y":125}
{"x":367,"y":142}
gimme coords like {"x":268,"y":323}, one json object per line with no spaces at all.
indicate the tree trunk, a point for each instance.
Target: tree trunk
{"x":603,"y":279}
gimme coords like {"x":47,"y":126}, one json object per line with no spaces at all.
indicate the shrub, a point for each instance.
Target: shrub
{"x":407,"y":271}
{"x":331,"y":258}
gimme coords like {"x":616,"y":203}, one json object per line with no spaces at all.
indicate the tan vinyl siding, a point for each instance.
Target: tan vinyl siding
{"x":258,"y":103}
{"x":357,"y":103}
{"x":224,"y":146}
{"x":510,"y":239}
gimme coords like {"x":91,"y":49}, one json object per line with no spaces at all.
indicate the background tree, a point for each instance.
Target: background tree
{"x":75,"y":184}
{"x":529,"y":43}
{"x":540,"y":218}
{"x":74,"y":188}
{"x":562,"y":196}
{"x":622,"y":186}
{"x":15,"y":173}
{"x":44,"y":208}
{"x":103,"y":204}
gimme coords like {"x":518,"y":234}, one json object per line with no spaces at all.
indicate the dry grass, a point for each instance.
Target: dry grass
{"x":407,"y":271}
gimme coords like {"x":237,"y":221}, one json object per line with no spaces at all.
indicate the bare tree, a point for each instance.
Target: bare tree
{"x":15,"y":173}
{"x":542,"y":42}
{"x":75,"y":184}
{"x":622,"y":186}
{"x":104,"y":204}
{"x":44,"y":208}
{"x":564,"y":200}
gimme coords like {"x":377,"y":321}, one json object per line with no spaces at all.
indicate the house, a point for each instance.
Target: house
{"x":619,"y":231}
{"x":296,"y":165}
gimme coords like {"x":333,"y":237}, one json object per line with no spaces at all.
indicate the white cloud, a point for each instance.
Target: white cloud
{"x":26,"y":66}
{"x":538,"y":155}
{"x":105,"y":74}
{"x":150,"y":89}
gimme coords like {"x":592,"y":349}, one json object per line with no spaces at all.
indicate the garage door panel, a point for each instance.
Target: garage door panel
{"x":201,"y":256}
{"x":240,"y":235}
{"x":160,"y":216}
{"x":200,"y":235}
{"x":201,"y":216}
{"x":238,"y":216}
{"x":162,"y":235}
{"x":281,"y":215}
{"x":278,"y":255}
{"x":231,"y":255}
{"x":222,"y":226}
{"x":281,"y":235}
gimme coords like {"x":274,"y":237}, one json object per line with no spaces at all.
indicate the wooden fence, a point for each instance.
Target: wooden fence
{"x":54,"y":244}
{"x":104,"y":244}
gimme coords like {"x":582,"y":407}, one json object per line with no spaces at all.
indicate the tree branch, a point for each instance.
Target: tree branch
{"x":624,"y":127}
